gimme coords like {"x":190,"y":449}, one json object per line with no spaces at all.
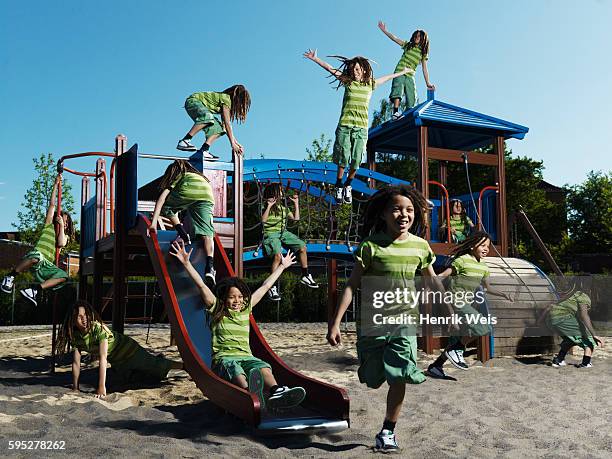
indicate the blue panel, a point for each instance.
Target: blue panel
{"x":335,"y":250}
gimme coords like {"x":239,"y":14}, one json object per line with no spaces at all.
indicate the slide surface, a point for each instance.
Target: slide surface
{"x":326,"y":407}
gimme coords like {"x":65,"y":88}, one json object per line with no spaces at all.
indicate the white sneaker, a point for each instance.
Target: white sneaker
{"x":556,"y":363}
{"x":455,"y":357}
{"x":208,"y":156}
{"x":309,"y":282}
{"x":273,"y":294}
{"x":185,"y":145}
{"x":30,"y":294}
{"x":397,"y":115}
{"x":348,"y":194}
{"x":286,"y":397}
{"x":211,"y":275}
{"x":339,"y":194}
{"x":7,"y":284}
{"x":582,"y":365}
{"x":385,"y":441}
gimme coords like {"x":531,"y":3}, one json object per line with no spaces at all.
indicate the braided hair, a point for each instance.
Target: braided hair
{"x":175,"y":171}
{"x":474,"y":240}
{"x":241,"y":102}
{"x":347,"y":68}
{"x":65,"y":336}
{"x":376,"y":205}
{"x":423,"y":44}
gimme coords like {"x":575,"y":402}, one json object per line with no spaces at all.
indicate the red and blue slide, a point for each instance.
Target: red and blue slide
{"x":326,"y":407}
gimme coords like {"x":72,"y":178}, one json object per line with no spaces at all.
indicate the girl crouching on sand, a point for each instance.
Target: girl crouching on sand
{"x":84,"y":331}
{"x":229,"y":309}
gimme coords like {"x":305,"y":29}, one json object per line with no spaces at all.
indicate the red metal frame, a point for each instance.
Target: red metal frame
{"x":448,"y":230}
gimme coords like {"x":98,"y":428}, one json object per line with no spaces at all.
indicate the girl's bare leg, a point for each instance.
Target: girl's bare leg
{"x":303,"y":257}
{"x":25,"y":264}
{"x":209,"y":246}
{"x":395,"y":399}
{"x":276,"y":261}
{"x":195,"y":129}
{"x":52,"y":283}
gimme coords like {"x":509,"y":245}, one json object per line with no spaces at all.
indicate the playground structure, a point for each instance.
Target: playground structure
{"x":114,"y":243}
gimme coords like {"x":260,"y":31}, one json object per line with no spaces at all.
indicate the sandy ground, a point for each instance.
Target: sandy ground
{"x":514,"y":407}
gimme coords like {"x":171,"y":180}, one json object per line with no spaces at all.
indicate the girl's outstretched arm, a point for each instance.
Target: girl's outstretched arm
{"x":295,"y":215}
{"x":586,"y":321}
{"x":286,"y":262}
{"x":178,"y":250}
{"x":227,"y":123}
{"x":51,"y":208}
{"x":159,"y":204}
{"x":426,"y":75}
{"x":103,"y":363}
{"x":491,"y":291}
{"x":384,"y":79}
{"x":333,"y":328}
{"x":76,"y":369}
{"x":383,"y":27}
{"x":312,"y":55}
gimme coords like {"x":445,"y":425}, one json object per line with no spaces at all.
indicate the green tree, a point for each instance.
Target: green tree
{"x":36,"y":199}
{"x":590,"y":214}
{"x":320,"y":150}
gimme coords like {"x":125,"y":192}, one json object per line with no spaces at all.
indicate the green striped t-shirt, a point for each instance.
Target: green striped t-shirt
{"x":411,"y":58}
{"x":468,"y":273}
{"x":230,"y":336}
{"x":192,"y":187}
{"x":355,"y":104}
{"x":460,"y":225}
{"x":277,"y":221}
{"x":46,"y":243}
{"x":570,"y":306}
{"x":213,"y":100}
{"x":120,"y":347}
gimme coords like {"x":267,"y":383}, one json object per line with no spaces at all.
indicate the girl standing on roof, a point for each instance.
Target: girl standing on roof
{"x":233,"y":104}
{"x":184,"y":188}
{"x":416,"y":51}
{"x":229,"y":309}
{"x":356,"y":76}
{"x":41,"y":260}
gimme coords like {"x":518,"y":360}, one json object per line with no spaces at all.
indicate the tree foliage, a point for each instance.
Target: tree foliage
{"x":385,"y":111}
{"x":31,"y":217}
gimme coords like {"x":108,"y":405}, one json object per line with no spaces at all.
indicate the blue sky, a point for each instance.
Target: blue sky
{"x":75,"y":74}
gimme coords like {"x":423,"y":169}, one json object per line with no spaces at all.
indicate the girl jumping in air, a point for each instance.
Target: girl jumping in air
{"x":415,"y":51}
{"x":233,"y":104}
{"x":40,"y":261}
{"x":276,"y":235}
{"x":390,"y":252}
{"x":460,"y":224}
{"x":352,"y":132}
{"x":570,"y":319}
{"x":84,"y":331}
{"x":469,"y":273}
{"x":229,"y":309}
{"x":184,"y":188}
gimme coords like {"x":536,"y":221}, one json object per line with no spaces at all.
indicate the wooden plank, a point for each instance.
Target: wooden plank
{"x":456,"y":156}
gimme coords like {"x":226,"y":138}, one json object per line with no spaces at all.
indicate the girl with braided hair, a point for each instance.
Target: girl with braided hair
{"x":184,"y":188}
{"x":392,"y":250}
{"x":84,"y":331}
{"x":233,"y":104}
{"x":470,"y":274}
{"x":356,"y":76}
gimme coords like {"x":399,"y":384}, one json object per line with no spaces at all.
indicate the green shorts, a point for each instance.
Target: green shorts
{"x":273,"y":243}
{"x":200,"y":114}
{"x":388,"y":358}
{"x":201,"y":213}
{"x":44,"y":270}
{"x":404,"y":84}
{"x":229,"y":368}
{"x":350,"y":146}
{"x":571,"y":330}
{"x":142,"y":366}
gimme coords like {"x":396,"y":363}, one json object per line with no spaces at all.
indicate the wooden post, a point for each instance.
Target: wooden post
{"x":119,"y":248}
{"x":332,"y":288}
{"x":238,"y":214}
{"x":500,"y":177}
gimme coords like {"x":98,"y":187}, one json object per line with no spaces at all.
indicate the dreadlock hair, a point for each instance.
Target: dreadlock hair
{"x":474,"y":240}
{"x":376,"y":205}
{"x":65,"y":336}
{"x":463,"y":214}
{"x":176,"y":170}
{"x":274,"y":190}
{"x":69,"y":227}
{"x":241,"y":102}
{"x":221,"y":292}
{"x":347,"y":67}
{"x":423,"y":44}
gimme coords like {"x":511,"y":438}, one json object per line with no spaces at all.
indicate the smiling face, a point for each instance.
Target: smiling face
{"x":482,"y":249}
{"x":81,"y":320}
{"x":358,"y":72}
{"x":398,"y":216}
{"x":457,"y":207}
{"x":234,"y":300}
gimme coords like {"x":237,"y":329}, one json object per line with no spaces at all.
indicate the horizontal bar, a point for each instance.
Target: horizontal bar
{"x":444,"y":154}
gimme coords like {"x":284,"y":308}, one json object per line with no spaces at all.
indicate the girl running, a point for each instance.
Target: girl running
{"x":415,"y":51}
{"x":355,"y":75}
{"x":276,"y":235}
{"x":233,"y":104}
{"x":229,"y":309}
{"x":41,"y":261}
{"x":184,"y":188}
{"x":469,"y":273}
{"x":84,"y":331}
{"x":390,"y":251}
